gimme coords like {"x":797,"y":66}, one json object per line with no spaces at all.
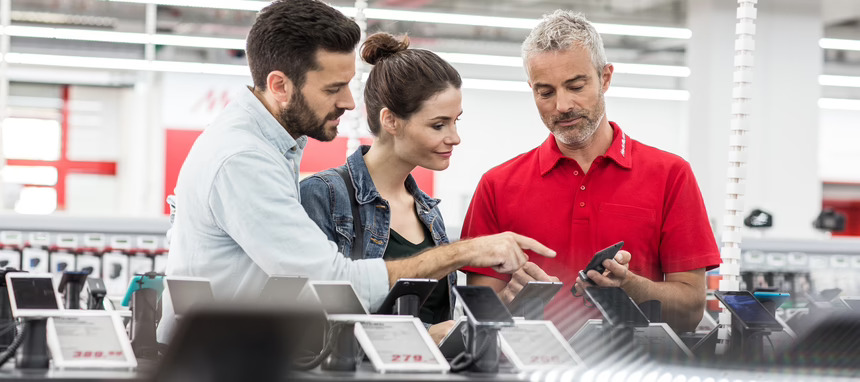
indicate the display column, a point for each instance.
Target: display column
{"x":782,"y":162}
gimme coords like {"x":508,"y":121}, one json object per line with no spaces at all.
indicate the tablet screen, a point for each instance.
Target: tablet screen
{"x":34,"y":293}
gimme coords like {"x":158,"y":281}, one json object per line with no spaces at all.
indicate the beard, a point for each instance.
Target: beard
{"x":579,"y":134}
{"x":299,"y":119}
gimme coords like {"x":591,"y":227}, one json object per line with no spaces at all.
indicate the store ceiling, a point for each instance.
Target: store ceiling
{"x":842,"y":20}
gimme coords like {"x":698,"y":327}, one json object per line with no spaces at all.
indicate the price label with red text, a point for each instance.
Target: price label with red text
{"x":399,"y":345}
{"x":90,"y":339}
{"x":536,"y":345}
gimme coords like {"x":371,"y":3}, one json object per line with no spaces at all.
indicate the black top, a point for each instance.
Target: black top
{"x":436,"y":308}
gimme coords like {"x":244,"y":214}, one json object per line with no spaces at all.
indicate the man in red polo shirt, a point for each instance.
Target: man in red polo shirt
{"x":588,"y":186}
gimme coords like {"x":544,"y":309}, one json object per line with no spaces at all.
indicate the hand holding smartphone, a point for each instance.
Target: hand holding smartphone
{"x":596,"y":262}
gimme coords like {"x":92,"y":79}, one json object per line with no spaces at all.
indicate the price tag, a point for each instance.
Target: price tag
{"x":399,"y":344}
{"x":89,"y":339}
{"x":534,"y":345}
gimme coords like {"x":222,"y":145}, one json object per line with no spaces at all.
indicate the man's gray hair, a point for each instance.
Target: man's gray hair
{"x":561,"y":30}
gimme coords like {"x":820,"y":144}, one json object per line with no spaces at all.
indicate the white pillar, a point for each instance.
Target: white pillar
{"x":782,"y":165}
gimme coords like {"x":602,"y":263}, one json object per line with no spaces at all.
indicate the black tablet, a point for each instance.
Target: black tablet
{"x":748,"y":310}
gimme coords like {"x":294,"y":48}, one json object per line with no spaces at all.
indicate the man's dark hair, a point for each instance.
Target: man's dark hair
{"x":287,"y":35}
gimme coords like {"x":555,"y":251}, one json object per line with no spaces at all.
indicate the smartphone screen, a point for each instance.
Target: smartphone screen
{"x":482,"y":305}
{"x":749,"y":310}
{"x":617,"y":307}
{"x":34,"y":293}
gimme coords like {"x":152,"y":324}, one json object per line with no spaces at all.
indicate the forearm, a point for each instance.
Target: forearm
{"x":435,"y":263}
{"x":682,"y":303}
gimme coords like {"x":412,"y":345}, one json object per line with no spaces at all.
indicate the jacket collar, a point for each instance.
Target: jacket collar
{"x":619,"y":151}
{"x":366,"y":191}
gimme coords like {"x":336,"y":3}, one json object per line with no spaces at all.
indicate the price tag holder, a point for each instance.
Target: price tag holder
{"x":536,"y":345}
{"x":399,"y":344}
{"x":89,"y":339}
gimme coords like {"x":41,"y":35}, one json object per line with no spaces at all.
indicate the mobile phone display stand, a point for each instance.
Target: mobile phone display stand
{"x":618,"y":336}
{"x":746,"y":344}
{"x":345,"y":351}
{"x":484,"y":346}
{"x":407,"y":305}
{"x":531,"y":309}
{"x":72,"y":293}
{"x":95,"y":301}
{"x":34,"y":349}
{"x":144,"y":315}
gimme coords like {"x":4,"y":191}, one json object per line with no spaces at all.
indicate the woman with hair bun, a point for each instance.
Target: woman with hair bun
{"x":413,"y":102}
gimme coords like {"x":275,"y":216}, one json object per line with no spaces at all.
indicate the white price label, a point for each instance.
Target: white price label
{"x":89,"y":339}
{"x":535,"y":345}
{"x":399,"y":345}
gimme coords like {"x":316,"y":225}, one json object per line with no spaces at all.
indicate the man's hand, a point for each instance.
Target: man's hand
{"x":440,"y":330}
{"x":529,"y":272}
{"x":502,"y":252}
{"x":616,"y":274}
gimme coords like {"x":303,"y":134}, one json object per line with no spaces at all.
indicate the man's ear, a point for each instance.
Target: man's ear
{"x":388,"y":121}
{"x":280,"y":86}
{"x":608,"y":70}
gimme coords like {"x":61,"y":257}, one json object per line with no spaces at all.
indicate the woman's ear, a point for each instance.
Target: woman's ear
{"x":388,"y":121}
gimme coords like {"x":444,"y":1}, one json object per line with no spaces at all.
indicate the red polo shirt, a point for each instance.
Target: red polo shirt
{"x":636,"y":193}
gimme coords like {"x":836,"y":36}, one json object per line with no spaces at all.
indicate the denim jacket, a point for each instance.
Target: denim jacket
{"x":324,"y":196}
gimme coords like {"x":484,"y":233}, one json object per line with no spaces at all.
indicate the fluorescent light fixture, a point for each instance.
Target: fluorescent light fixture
{"x":841,"y":81}
{"x":614,"y":91}
{"x":840,"y":44}
{"x":239,"y":5}
{"x":517,"y":62}
{"x":124,"y":37}
{"x":125,"y":64}
{"x":839,"y":104}
{"x":437,"y":18}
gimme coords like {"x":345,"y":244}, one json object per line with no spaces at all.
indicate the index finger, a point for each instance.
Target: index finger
{"x":533,"y":245}
{"x":536,"y":272}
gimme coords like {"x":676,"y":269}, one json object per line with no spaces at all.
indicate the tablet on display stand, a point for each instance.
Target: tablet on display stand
{"x":33,"y":295}
{"x":536,"y":345}
{"x":89,"y":339}
{"x":399,"y":344}
{"x":339,"y":300}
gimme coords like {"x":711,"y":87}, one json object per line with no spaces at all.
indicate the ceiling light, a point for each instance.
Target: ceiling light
{"x":124,"y":37}
{"x":437,"y":18}
{"x":842,"y":81}
{"x":125,"y":64}
{"x":839,"y":104}
{"x":614,"y":91}
{"x":833,"y":43}
{"x":517,"y":62}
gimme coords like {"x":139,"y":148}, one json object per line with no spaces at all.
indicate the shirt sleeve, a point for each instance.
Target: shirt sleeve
{"x":481,"y":221}
{"x":686,"y":239}
{"x":273,"y":229}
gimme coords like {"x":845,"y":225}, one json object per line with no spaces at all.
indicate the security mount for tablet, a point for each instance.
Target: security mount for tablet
{"x":34,"y":352}
{"x":484,"y":347}
{"x":96,"y":293}
{"x":71,"y":284}
{"x":145,"y":313}
{"x":345,"y":349}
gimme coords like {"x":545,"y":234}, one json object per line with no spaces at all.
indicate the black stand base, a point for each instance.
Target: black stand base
{"x":144,"y":315}
{"x":34,"y":350}
{"x":345,"y":351}
{"x":407,"y":305}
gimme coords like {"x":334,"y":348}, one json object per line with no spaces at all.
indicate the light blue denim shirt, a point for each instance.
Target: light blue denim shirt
{"x":325,"y":198}
{"x":238,"y":217}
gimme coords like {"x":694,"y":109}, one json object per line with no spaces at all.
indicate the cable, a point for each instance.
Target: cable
{"x":465,"y":359}
{"x":13,"y":347}
{"x":312,"y":361}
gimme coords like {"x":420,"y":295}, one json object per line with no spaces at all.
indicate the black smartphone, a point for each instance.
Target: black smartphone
{"x":748,"y":310}
{"x":596,"y":262}
{"x":456,"y":340}
{"x":422,"y":288}
{"x":616,"y":306}
{"x":483,"y":306}
{"x":534,"y":290}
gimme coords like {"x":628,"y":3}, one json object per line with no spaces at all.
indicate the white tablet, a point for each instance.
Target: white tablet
{"x":33,"y":295}
{"x":399,"y":344}
{"x":852,"y":302}
{"x":185,"y":292}
{"x":338,"y":298}
{"x":536,"y":345}
{"x":89,"y":339}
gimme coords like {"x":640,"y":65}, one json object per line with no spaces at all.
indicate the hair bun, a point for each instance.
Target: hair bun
{"x":381,"y":45}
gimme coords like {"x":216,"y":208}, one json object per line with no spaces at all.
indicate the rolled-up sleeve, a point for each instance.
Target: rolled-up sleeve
{"x":268,"y":222}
